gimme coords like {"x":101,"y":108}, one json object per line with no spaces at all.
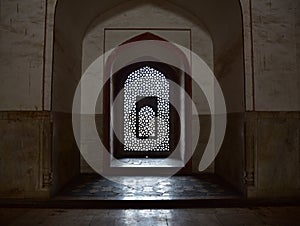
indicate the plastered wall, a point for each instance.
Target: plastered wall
{"x":275,"y":46}
{"x":21,"y":54}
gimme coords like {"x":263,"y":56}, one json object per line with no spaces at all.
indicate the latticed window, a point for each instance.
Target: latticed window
{"x":142,"y":103}
{"x":146,"y":111}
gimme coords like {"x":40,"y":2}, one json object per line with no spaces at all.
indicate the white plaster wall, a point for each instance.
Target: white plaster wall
{"x":21,"y":54}
{"x":275,"y":50}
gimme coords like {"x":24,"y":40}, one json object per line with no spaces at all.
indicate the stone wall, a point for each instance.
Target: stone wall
{"x":272,"y":132}
{"x":26,"y":134}
{"x":25,"y":154}
{"x":276,"y":79}
{"x":21,"y":54}
{"x":272,"y":154}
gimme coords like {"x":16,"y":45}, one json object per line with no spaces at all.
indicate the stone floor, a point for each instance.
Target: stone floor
{"x":147,"y":162}
{"x":92,"y":186}
{"x":212,"y":216}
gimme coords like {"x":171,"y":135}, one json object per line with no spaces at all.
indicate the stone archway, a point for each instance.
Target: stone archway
{"x":226,"y":29}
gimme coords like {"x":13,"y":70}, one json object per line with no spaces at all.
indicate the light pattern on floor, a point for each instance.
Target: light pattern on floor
{"x":149,"y":188}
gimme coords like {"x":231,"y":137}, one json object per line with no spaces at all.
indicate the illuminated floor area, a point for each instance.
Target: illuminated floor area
{"x":157,"y":217}
{"x":90,"y":186}
{"x":147,"y":162}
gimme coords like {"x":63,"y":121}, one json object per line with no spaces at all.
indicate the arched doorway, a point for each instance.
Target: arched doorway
{"x":145,"y":84}
{"x":225,"y":28}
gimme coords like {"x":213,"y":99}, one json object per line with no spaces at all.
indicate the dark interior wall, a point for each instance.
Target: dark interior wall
{"x":273,"y":147}
{"x":226,"y":28}
{"x":25,"y":147}
{"x":230,"y":72}
{"x":24,"y":124}
{"x":66,"y":75}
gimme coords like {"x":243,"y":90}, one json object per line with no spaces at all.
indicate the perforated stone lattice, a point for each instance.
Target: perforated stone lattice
{"x":146,"y":82}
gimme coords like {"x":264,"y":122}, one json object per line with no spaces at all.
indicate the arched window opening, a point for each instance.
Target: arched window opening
{"x":146,"y":111}
{"x":149,"y":117}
